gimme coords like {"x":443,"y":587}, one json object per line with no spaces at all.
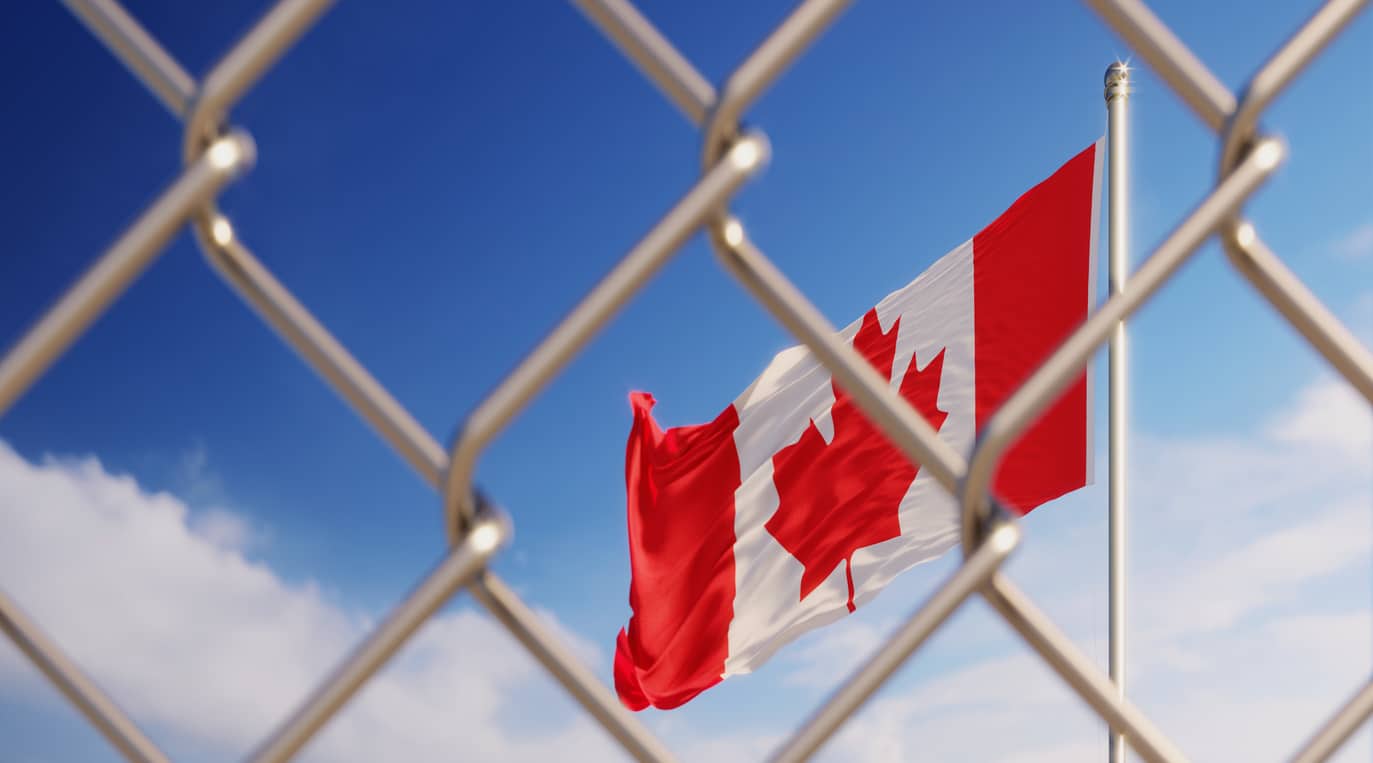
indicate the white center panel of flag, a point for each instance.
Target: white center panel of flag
{"x":936,"y":313}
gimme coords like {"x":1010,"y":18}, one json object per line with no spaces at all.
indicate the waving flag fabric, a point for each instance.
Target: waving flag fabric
{"x":790,"y":509}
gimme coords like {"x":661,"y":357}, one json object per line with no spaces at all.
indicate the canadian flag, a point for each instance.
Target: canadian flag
{"x":790,"y":509}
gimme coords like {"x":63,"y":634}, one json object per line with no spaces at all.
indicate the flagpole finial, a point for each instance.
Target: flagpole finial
{"x":1117,"y":81}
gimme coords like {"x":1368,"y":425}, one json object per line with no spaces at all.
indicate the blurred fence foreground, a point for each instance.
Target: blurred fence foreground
{"x":216,"y":153}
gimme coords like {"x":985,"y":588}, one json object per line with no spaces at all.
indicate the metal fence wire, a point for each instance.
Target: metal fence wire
{"x":215,"y":153}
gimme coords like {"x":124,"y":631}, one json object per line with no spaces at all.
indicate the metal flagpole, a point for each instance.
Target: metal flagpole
{"x":1117,"y":101}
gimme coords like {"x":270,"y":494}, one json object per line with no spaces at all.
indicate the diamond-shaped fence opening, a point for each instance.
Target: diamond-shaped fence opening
{"x":216,"y":153}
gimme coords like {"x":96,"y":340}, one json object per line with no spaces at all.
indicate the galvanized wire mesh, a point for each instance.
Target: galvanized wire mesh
{"x":215,"y":154}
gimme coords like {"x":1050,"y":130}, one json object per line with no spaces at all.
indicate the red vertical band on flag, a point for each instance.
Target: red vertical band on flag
{"x":680,"y":485}
{"x":1032,"y":281}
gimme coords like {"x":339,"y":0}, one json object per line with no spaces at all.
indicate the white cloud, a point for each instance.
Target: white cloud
{"x":1357,"y":243}
{"x":1271,"y":569}
{"x":1249,"y":615}
{"x":690,"y":743}
{"x":1014,"y":708}
{"x":208,"y":648}
{"x":1249,"y":623}
{"x":223,"y":529}
{"x":833,"y":652}
{"x":994,"y":710}
{"x":1330,"y":415}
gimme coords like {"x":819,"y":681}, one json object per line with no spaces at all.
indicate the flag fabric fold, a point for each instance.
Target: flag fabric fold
{"x":790,"y":509}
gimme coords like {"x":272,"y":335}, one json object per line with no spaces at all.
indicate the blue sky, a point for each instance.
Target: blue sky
{"x":439,"y":183}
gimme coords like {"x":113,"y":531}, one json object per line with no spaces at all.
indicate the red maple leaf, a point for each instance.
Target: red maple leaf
{"x":836,"y":498}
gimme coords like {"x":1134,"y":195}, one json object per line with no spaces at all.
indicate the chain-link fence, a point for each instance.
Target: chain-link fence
{"x":215,"y":154}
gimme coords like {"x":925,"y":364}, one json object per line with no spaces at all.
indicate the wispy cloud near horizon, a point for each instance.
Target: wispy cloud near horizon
{"x":1357,"y":244}
{"x":1249,"y":613}
{"x":158,"y":603}
{"x":1247,"y":552}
